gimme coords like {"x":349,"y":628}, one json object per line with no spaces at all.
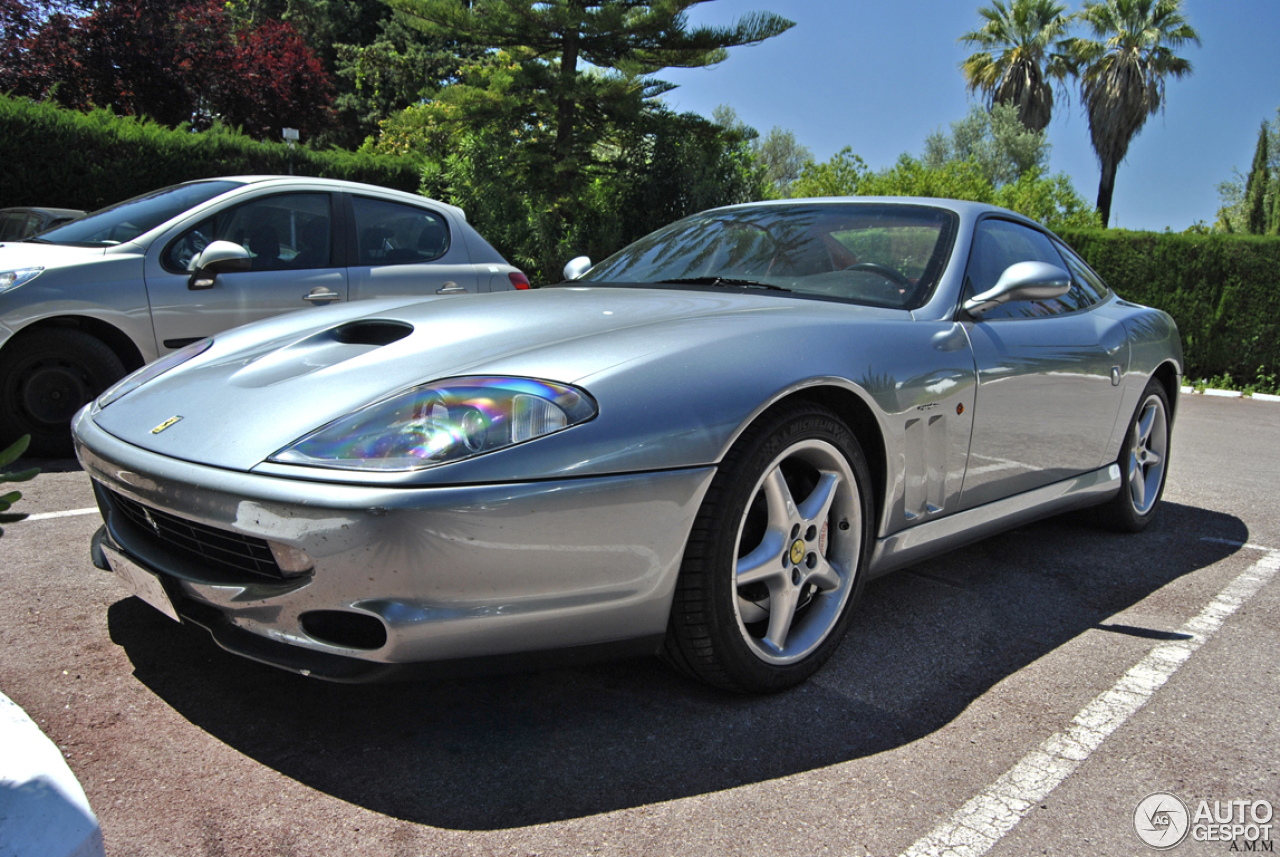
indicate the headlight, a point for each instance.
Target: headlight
{"x":442,"y":422}
{"x":13,"y":279}
{"x":149,"y":372}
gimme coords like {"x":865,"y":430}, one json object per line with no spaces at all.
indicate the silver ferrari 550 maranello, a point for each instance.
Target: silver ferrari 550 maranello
{"x":703,"y":446}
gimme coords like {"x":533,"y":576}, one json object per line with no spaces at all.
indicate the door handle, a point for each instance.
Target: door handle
{"x":322,"y":293}
{"x":450,"y":288}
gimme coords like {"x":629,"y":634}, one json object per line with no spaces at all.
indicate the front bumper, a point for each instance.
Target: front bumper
{"x":451,"y":573}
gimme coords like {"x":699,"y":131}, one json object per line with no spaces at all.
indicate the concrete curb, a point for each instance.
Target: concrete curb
{"x":43,"y":809}
{"x":1230,"y":394}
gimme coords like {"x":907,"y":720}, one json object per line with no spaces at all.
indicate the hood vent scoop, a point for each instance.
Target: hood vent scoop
{"x":371,"y":331}
{"x":320,"y":351}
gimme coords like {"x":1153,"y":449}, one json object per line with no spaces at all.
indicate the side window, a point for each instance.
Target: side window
{"x":390,"y":233}
{"x":1089,"y":285}
{"x":17,"y":225}
{"x":997,"y":244}
{"x":287,"y":232}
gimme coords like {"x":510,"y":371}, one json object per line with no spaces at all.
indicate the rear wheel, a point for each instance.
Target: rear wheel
{"x":774,"y":563}
{"x":45,"y":377}
{"x":1144,"y":464}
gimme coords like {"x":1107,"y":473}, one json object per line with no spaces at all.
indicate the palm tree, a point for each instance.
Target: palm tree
{"x":1122,"y":74}
{"x":1018,"y":57}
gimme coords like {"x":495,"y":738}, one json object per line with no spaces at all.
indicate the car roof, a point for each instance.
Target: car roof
{"x":56,"y":212}
{"x":338,"y":185}
{"x":962,"y":207}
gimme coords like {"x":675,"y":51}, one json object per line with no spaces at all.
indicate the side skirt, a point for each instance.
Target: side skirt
{"x":914,"y":544}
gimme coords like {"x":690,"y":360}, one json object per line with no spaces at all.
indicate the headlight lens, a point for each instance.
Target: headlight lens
{"x":13,"y":279}
{"x":442,"y":422}
{"x":149,"y":372}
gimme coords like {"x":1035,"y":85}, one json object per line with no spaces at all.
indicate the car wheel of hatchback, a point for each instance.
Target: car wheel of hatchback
{"x":45,"y":377}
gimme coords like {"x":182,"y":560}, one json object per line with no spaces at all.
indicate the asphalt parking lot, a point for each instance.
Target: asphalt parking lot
{"x":1020,"y":696}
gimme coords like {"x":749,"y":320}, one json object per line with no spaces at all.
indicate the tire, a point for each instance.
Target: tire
{"x":45,"y":377}
{"x":1144,"y":464}
{"x":787,"y":523}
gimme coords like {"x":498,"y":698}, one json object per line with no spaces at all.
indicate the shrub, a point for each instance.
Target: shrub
{"x":62,"y":158}
{"x":1220,"y":289}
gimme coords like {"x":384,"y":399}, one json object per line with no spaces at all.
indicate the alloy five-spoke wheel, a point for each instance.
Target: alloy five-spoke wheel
{"x":1148,"y":452}
{"x":774,"y":563}
{"x":798,"y":547}
{"x":1143,"y":463}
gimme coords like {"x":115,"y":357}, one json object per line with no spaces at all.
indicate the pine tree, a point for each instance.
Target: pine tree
{"x":1256,"y":195}
{"x":581,"y":67}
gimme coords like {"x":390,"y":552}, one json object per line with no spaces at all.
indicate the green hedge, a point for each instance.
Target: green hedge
{"x":1222,"y":290}
{"x":50,"y":156}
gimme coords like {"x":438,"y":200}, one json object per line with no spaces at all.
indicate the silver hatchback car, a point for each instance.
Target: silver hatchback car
{"x":84,"y":304}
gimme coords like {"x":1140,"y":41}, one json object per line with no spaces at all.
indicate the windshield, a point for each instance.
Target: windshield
{"x":129,"y":219}
{"x":880,"y":254}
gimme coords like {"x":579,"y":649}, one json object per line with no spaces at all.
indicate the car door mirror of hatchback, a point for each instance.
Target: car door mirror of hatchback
{"x":219,"y":257}
{"x":577,"y":267}
{"x":1023,"y":281}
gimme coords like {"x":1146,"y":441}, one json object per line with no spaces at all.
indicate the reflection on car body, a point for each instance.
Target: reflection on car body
{"x":704,"y":446}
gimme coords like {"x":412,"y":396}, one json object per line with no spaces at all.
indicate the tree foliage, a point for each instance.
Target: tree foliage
{"x":661,"y":169}
{"x":553,"y":139}
{"x":1002,"y":146}
{"x":173,"y":62}
{"x":1049,"y":199}
{"x":778,"y":153}
{"x":1258,"y":191}
{"x":1020,"y":57}
{"x":580,"y":69}
{"x":1251,"y":204}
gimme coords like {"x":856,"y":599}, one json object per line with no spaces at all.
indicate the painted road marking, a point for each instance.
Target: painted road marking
{"x":70,"y":513}
{"x":1235,"y":544}
{"x":982,"y":822}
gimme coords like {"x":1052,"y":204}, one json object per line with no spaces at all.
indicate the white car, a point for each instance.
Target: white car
{"x":86,"y":303}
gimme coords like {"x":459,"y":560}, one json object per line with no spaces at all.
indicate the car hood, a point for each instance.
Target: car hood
{"x":263,"y":386}
{"x":29,"y":254}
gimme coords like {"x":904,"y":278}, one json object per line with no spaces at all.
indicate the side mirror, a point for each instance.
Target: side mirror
{"x":577,"y":268}
{"x":219,"y":257}
{"x":1023,"y":281}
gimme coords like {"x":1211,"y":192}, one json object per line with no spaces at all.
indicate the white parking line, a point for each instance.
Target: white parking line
{"x":982,"y":822}
{"x":1235,"y":544}
{"x":70,"y":513}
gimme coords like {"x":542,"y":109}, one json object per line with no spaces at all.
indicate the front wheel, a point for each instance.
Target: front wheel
{"x":1144,"y":464}
{"x":774,"y":562}
{"x":45,"y":377}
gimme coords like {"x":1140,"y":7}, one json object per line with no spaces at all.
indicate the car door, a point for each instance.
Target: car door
{"x":400,"y":249}
{"x":1048,"y":374}
{"x":291,"y":238}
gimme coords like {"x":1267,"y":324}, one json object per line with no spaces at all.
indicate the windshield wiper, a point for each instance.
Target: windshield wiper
{"x":726,"y":281}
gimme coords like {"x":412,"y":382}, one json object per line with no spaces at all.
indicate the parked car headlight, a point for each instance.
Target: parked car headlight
{"x":129,"y":383}
{"x":442,"y":422}
{"x":13,"y":279}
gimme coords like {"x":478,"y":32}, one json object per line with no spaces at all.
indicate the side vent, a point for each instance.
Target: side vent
{"x":925,"y":445}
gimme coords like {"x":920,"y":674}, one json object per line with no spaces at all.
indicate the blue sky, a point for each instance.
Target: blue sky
{"x":880,"y":76}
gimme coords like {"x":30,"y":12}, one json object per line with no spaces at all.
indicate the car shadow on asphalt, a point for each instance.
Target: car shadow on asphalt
{"x":511,"y":751}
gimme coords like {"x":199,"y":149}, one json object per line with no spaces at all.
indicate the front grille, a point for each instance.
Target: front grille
{"x":201,"y":543}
